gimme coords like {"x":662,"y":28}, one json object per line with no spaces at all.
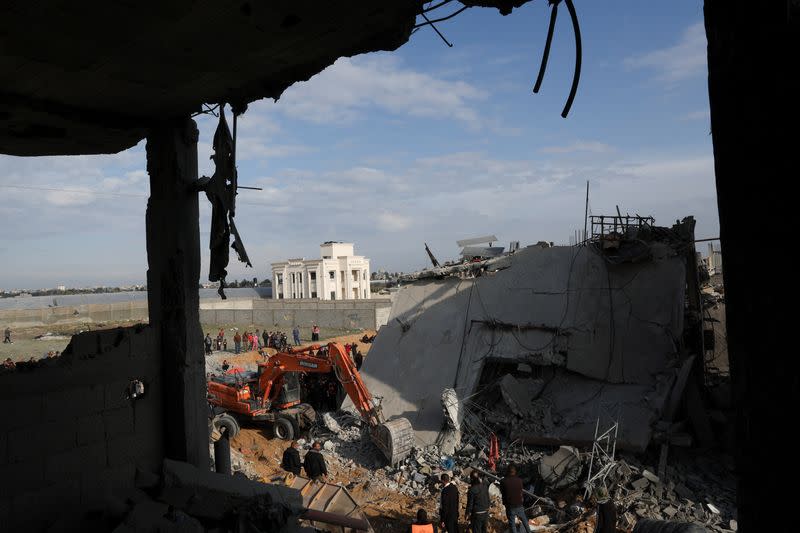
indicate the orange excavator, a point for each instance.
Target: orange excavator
{"x":272,"y":395}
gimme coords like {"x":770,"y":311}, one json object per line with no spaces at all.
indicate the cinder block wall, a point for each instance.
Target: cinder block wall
{"x":340,"y":314}
{"x":70,"y":438}
{"x":117,"y":311}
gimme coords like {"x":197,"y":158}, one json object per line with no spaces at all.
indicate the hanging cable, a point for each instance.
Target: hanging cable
{"x":546,"y":53}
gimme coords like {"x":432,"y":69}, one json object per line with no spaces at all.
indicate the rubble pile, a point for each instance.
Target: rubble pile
{"x":699,"y":489}
{"x":695,"y":489}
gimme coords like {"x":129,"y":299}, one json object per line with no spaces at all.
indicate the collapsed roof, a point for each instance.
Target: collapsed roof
{"x":90,"y":77}
{"x":592,"y":330}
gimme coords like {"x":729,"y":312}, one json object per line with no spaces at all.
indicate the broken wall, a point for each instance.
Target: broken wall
{"x":609,"y":331}
{"x":70,"y":435}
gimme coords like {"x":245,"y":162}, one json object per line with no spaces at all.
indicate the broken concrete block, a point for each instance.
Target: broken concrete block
{"x":712,"y":508}
{"x":734,"y":525}
{"x":519,"y":394}
{"x":670,"y":511}
{"x":494,"y":491}
{"x":329,"y":445}
{"x":650,"y":476}
{"x":562,"y":468}
{"x":640,"y":484}
{"x":331,"y":422}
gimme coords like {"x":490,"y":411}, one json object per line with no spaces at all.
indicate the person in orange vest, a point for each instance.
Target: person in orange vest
{"x":422,"y":524}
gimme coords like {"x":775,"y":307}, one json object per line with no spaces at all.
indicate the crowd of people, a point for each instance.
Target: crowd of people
{"x":478,"y":503}
{"x":248,"y":341}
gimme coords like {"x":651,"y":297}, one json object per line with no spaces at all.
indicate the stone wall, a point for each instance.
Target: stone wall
{"x":70,"y":436}
{"x":111,"y":312}
{"x":339,"y":314}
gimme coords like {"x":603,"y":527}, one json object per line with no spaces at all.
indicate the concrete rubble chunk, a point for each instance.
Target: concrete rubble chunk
{"x":519,"y":394}
{"x":330,"y":422}
{"x":650,"y":476}
{"x":640,"y":484}
{"x":562,"y":468}
{"x":734,"y":525}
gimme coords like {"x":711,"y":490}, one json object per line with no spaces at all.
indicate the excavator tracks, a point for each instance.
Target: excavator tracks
{"x":394,"y":438}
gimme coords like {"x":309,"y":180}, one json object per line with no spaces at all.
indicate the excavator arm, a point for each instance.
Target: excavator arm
{"x":395,"y":438}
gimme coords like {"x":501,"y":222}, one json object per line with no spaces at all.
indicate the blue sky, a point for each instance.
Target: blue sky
{"x":424,"y":144}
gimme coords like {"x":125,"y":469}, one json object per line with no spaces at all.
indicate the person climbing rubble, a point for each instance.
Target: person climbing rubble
{"x":291,"y":459}
{"x":422,"y":524}
{"x":314,"y":463}
{"x":511,"y":490}
{"x":477,"y":513}
{"x":448,"y":508}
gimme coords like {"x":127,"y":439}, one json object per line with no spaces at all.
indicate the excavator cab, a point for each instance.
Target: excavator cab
{"x":290,"y":391}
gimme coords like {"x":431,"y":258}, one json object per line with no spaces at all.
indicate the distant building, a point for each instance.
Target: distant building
{"x":337,"y":275}
{"x":62,"y":288}
{"x":714,"y":260}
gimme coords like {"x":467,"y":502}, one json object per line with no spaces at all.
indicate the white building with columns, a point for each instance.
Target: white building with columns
{"x":337,"y":275}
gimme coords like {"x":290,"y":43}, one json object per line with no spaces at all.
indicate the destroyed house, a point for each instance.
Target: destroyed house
{"x":543,"y":342}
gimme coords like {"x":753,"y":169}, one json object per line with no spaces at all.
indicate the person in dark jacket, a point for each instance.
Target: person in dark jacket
{"x":606,"y":513}
{"x":448,"y":510}
{"x":478,"y":504}
{"x":422,"y":524}
{"x":511,"y":489}
{"x":314,"y":463}
{"x":291,"y":459}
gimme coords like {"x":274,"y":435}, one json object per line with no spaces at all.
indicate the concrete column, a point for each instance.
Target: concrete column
{"x":753,"y":87}
{"x":173,"y":256}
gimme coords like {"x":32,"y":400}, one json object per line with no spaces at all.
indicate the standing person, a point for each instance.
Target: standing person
{"x":314,"y":463}
{"x":207,"y":341}
{"x":347,"y":349}
{"x":478,"y":504}
{"x":7,"y":336}
{"x":315,"y":332}
{"x":422,"y":524}
{"x":511,"y":489}
{"x":265,"y":336}
{"x":259,"y":340}
{"x":296,"y":335}
{"x":448,"y":508}
{"x":291,"y":459}
{"x":358,"y":357}
{"x":254,"y":341}
{"x":237,"y":342}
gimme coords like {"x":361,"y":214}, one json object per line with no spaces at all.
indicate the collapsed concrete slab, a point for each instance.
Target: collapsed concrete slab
{"x":596,"y":331}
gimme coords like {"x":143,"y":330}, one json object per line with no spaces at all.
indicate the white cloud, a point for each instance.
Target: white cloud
{"x":578,"y":146}
{"x":352,"y":87}
{"x":683,"y":60}
{"x":390,"y":221}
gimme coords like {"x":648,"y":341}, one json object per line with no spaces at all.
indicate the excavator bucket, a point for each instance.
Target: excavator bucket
{"x":394,"y":438}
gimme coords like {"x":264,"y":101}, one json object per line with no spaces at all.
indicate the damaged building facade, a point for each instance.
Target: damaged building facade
{"x":545,"y":341}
